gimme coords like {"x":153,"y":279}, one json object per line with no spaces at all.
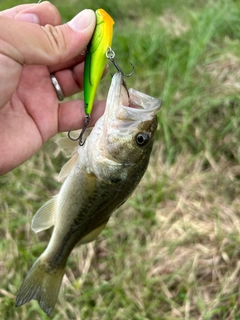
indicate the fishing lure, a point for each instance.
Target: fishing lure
{"x":96,"y":58}
{"x":98,"y":52}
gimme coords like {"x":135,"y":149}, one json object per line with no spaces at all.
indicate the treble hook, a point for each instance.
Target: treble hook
{"x":81,"y":141}
{"x":110,"y":54}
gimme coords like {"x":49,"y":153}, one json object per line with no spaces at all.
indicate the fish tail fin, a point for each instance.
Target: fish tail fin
{"x":42,"y":283}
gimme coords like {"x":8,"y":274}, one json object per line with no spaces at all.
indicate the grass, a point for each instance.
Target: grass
{"x":172,"y":250}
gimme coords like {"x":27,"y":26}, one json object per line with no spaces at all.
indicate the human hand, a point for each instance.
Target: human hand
{"x":33,"y":44}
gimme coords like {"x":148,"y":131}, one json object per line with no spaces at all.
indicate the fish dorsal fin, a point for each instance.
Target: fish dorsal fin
{"x":66,"y":169}
{"x":92,"y":235}
{"x":45,"y":216}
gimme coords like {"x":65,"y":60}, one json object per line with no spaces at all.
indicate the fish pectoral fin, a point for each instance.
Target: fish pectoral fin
{"x":91,"y":236}
{"x":69,"y":147}
{"x":66,"y":169}
{"x":45,"y":216}
{"x":42,"y":283}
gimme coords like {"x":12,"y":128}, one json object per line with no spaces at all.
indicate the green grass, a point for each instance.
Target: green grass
{"x":172,"y":250}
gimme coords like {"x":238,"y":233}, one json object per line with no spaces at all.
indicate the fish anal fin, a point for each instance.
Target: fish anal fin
{"x":45,"y":216}
{"x":41,"y":285}
{"x":91,"y":236}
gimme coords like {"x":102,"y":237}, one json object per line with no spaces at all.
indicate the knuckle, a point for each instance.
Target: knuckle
{"x":56,"y":41}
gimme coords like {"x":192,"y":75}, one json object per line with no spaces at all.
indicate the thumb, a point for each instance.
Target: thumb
{"x":28,"y":43}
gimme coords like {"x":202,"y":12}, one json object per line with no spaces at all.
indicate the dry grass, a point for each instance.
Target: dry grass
{"x":173,"y":25}
{"x":201,"y":226}
{"x":225,"y":74}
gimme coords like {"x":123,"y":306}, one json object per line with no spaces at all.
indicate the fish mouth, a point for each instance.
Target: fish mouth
{"x":130,"y":105}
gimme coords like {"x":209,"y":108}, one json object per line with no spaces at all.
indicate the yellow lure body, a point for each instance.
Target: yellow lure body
{"x":96,"y":59}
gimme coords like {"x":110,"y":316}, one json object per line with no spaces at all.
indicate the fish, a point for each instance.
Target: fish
{"x":101,"y":175}
{"x":96,"y":58}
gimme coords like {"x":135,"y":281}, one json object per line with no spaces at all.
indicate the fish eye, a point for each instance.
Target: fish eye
{"x":142,"y":139}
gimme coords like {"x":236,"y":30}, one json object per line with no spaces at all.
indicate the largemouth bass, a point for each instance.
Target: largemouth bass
{"x":102,"y":174}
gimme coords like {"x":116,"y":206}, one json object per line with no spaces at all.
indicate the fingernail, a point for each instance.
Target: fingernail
{"x":82,"y":20}
{"x":28,"y":17}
